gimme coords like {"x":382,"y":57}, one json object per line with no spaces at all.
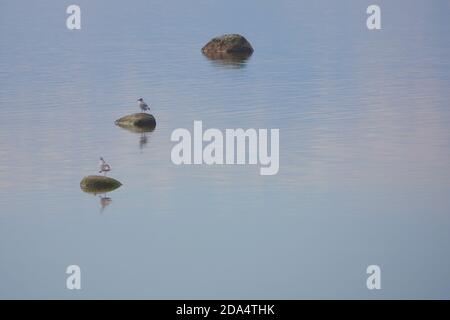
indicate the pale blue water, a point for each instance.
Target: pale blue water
{"x":364,"y":176}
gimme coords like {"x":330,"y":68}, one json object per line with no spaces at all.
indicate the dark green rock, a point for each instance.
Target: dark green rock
{"x":137,"y":122}
{"x":99,"y":184}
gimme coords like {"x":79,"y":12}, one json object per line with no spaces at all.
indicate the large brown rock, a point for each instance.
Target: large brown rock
{"x":226,"y":46}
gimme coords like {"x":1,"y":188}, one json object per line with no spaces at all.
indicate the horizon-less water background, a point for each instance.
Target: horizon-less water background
{"x":364,"y":174}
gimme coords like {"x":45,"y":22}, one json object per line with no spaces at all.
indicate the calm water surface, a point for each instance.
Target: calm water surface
{"x":364,"y":176}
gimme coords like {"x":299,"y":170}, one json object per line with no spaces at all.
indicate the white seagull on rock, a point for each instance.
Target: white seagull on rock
{"x":144,"y":107}
{"x":104,"y":167}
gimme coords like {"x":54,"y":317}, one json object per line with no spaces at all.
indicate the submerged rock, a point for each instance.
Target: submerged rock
{"x":228,"y":46}
{"x":99,"y":184}
{"x":137,"y":122}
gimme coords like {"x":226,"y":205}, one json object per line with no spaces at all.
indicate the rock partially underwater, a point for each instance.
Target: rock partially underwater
{"x":137,"y":122}
{"x":99,"y":184}
{"x":229,"y":46}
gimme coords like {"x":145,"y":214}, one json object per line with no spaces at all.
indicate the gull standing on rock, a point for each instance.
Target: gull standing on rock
{"x":144,"y":107}
{"x":104,"y":167}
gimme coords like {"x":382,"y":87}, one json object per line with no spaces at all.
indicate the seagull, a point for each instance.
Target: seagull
{"x":143,"y":105}
{"x":104,"y":167}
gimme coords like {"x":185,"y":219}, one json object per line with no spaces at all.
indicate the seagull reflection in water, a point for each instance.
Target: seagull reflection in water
{"x":104,"y":202}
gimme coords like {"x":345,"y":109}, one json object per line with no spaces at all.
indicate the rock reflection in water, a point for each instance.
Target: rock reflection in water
{"x":229,"y":60}
{"x":143,"y":132}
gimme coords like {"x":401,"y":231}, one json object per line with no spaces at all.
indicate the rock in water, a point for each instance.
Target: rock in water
{"x":141,"y":121}
{"x":227,"y":46}
{"x":99,"y":184}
